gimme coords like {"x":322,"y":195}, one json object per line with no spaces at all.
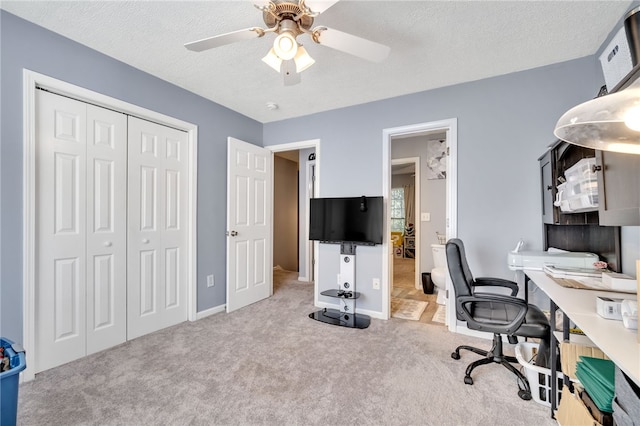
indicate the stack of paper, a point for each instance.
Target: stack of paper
{"x":566,"y":272}
{"x":590,"y":279}
{"x":598,"y":379}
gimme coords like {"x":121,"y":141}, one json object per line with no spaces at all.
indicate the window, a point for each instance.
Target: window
{"x":397,"y":210}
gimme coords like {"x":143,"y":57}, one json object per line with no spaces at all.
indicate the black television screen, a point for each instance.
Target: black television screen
{"x":355,"y":219}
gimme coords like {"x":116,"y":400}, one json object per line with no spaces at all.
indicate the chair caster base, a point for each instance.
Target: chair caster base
{"x":524,"y":394}
{"x":455,"y":355}
{"x":468,"y":380}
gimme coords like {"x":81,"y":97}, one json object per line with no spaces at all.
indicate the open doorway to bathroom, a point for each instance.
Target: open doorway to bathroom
{"x":417,"y":219}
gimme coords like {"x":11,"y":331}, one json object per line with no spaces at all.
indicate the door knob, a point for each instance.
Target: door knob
{"x":232,"y":233}
{"x":107,"y":243}
{"x":145,"y":241}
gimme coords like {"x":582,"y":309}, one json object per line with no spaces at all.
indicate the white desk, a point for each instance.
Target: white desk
{"x":617,"y":342}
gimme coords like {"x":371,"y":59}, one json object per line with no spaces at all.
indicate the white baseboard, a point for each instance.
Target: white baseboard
{"x":303,"y":279}
{"x":372,"y":314}
{"x":210,"y":311}
{"x":327,"y":305}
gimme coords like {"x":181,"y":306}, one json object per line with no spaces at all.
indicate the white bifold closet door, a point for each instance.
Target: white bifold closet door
{"x":111,"y":228}
{"x":81,"y":170}
{"x":157,"y":248}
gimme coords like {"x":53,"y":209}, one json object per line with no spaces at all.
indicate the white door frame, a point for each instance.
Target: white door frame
{"x":32,"y":80}
{"x":417,"y":222}
{"x":310,"y":193}
{"x":311,"y":143}
{"x":451,"y":127}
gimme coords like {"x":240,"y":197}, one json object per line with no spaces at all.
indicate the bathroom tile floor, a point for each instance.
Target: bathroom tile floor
{"x":404,"y":288}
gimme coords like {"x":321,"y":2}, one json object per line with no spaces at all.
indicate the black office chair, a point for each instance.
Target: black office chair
{"x":495,"y":313}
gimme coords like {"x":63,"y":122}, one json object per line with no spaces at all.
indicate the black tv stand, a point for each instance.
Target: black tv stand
{"x":345,"y":317}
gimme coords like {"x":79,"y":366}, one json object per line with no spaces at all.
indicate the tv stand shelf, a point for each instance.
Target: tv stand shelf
{"x":346,"y":316}
{"x":340,"y":318}
{"x":341,"y":294}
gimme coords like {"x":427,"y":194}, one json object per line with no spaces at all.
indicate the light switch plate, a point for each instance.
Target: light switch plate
{"x":425,"y":217}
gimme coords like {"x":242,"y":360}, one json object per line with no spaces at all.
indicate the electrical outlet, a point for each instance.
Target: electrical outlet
{"x":210,"y":281}
{"x":376,"y":283}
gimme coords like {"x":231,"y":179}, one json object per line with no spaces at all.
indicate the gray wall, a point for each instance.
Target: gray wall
{"x":285,"y":218}
{"x":399,"y":181}
{"x":24,"y":45}
{"x":433,"y":197}
{"x":504,"y":124}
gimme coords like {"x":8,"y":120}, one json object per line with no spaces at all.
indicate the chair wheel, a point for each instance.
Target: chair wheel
{"x":455,"y":355}
{"x":468,"y":380}
{"x":524,"y":394}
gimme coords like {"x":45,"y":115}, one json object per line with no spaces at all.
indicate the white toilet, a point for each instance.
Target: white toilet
{"x":439,"y":272}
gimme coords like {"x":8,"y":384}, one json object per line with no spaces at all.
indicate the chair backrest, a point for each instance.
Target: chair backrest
{"x":459,"y":271}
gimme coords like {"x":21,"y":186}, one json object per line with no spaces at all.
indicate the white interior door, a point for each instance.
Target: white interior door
{"x":249,"y":207}
{"x":80,"y":229}
{"x":158,"y":227}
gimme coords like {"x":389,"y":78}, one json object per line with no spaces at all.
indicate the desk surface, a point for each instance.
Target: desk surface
{"x":619,"y":343}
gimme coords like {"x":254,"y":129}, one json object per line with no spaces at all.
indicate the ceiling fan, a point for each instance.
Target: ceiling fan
{"x":288,"y":19}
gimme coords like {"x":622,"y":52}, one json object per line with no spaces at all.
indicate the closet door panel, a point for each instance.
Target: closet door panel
{"x":157,"y":227}
{"x":175,"y":229}
{"x":60,"y":274}
{"x":107,"y":230}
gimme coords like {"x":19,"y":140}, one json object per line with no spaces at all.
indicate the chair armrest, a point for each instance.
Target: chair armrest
{"x":497,"y":282}
{"x":463,"y":303}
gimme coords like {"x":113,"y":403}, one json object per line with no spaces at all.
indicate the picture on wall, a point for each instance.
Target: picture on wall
{"x":437,"y":159}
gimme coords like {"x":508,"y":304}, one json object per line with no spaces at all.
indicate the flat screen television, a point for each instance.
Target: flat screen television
{"x":355,"y":220}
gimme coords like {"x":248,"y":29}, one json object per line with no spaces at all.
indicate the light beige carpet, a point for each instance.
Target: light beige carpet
{"x":270,"y":364}
{"x":407,"y":309}
{"x":439,"y":316}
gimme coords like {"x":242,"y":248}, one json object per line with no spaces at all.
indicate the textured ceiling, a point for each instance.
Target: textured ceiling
{"x":433,"y":44}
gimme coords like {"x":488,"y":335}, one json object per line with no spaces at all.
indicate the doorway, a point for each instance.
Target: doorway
{"x":405,"y":226}
{"x":287,"y":196}
{"x":299,"y":161}
{"x":447,"y":128}
{"x":406,"y":234}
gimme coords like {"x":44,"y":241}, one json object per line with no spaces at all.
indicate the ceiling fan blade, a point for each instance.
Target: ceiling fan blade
{"x":319,"y":6}
{"x":289,"y":73}
{"x":354,"y":45}
{"x":222,"y":39}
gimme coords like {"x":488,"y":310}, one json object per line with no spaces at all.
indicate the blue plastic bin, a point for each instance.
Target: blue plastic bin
{"x":9,"y":382}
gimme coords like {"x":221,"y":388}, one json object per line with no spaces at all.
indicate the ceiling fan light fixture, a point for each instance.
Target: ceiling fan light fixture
{"x":607,"y":123}
{"x":273,"y":60}
{"x":285,"y":46}
{"x":302,"y":59}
